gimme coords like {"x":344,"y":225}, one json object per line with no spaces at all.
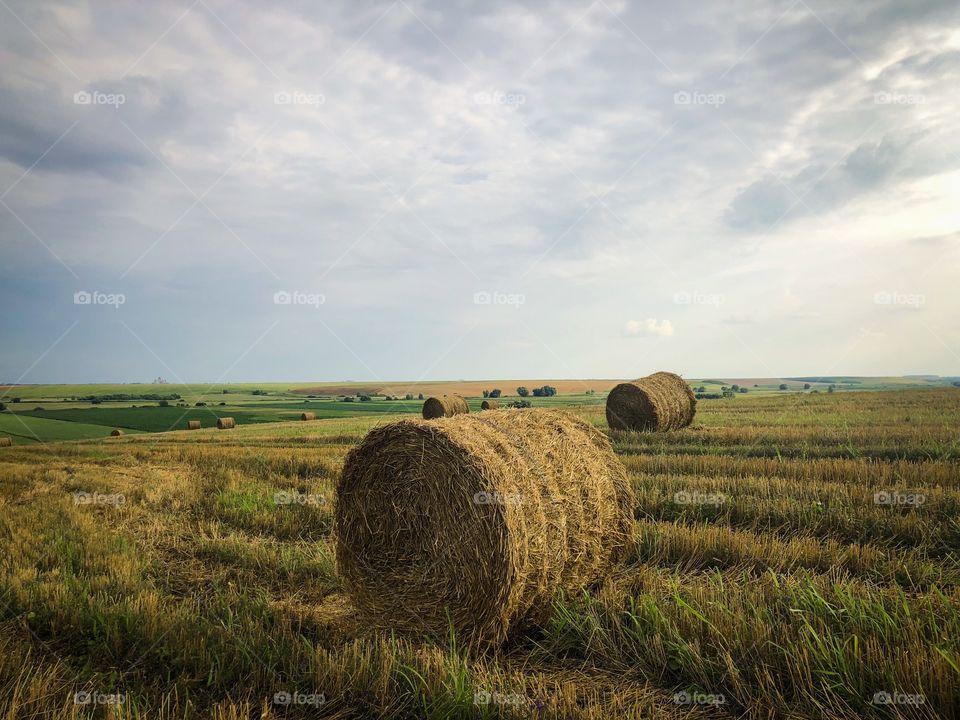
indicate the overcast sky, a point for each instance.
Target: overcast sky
{"x":250,"y":191}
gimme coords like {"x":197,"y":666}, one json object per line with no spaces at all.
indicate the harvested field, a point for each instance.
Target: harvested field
{"x":772,"y":567}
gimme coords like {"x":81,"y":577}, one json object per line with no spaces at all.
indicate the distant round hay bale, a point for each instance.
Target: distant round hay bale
{"x":308,"y":416}
{"x":5,"y":441}
{"x":489,"y":404}
{"x":116,"y":433}
{"x":193,"y":424}
{"x":225,"y":423}
{"x":446,"y":406}
{"x":658,"y":402}
{"x":478,"y":520}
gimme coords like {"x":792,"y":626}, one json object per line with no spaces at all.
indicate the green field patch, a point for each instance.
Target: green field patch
{"x":156,"y":419}
{"x":38,"y":427}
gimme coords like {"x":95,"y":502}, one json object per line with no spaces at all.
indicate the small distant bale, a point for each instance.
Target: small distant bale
{"x":308,"y":416}
{"x":5,"y":441}
{"x":193,"y":424}
{"x":659,"y":402}
{"x":489,"y":404}
{"x":116,"y":432}
{"x":475,"y":522}
{"x":225,"y":423}
{"x":446,"y":406}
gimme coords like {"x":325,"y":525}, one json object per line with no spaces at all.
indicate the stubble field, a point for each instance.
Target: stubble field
{"x":794,"y":556}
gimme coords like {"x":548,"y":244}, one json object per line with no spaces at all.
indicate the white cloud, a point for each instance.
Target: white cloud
{"x":649,"y":327}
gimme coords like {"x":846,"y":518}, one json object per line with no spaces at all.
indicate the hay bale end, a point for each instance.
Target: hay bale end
{"x":446,"y":406}
{"x":478,"y":520}
{"x":658,"y":402}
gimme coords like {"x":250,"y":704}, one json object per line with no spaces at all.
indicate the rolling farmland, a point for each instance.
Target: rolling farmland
{"x":793,"y":555}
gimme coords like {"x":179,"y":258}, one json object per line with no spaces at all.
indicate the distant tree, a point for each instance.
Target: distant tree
{"x":420,"y":396}
{"x":409,"y":396}
{"x":259,"y":392}
{"x":495,"y":393}
{"x":806,"y":386}
{"x":702,"y":389}
{"x":538,"y":392}
{"x":364,"y":398}
{"x":723,"y":388}
{"x":519,"y":404}
{"x":755,"y":385}
{"x":164,"y":403}
{"x":743,"y":390}
{"x":16,"y":400}
{"x":831,"y":388}
{"x":200,"y":404}
{"x":735,"y":387}
{"x":223,"y":403}
{"x":956,"y":383}
{"x":783,"y":386}
{"x":95,"y":401}
{"x":2,"y":407}
{"x":521,"y":391}
{"x":486,"y":393}
{"x":728,"y":392}
{"x":225,"y":392}
{"x":348,"y":398}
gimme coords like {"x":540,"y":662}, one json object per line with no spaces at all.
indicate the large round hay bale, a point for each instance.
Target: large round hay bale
{"x":5,"y":441}
{"x":478,"y":520}
{"x":193,"y":424}
{"x":116,"y":432}
{"x":308,"y":416}
{"x":489,"y":404}
{"x":662,"y":401}
{"x":446,"y":406}
{"x":225,"y":423}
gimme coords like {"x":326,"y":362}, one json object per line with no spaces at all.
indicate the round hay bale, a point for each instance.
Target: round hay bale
{"x":5,"y":441}
{"x":478,"y":520}
{"x":116,"y":432}
{"x":193,"y":424}
{"x":658,"y":402}
{"x":446,"y":406}
{"x":489,"y":404}
{"x":308,"y":416}
{"x":225,"y":423}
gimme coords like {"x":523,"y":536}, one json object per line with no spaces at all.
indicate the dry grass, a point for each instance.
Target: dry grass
{"x":203,"y":596}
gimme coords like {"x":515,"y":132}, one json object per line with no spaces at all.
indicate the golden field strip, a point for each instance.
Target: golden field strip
{"x":795,"y":556}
